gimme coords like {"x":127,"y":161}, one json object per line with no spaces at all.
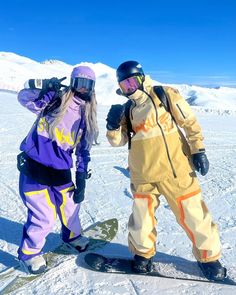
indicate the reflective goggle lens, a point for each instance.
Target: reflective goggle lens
{"x":78,"y":83}
{"x":130,"y":85}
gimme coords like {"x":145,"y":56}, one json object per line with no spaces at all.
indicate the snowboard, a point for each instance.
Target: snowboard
{"x":118,"y":265}
{"x":99,"y":234}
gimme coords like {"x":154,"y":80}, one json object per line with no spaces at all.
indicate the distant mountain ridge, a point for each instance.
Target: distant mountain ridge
{"x":16,"y":69}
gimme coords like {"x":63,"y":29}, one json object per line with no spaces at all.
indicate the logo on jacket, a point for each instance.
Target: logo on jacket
{"x":164,"y":120}
{"x":145,"y":125}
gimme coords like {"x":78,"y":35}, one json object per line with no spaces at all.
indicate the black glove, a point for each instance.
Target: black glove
{"x":114,"y":116}
{"x":46,"y":84}
{"x":80,"y":180}
{"x":79,"y":191}
{"x":201,"y":163}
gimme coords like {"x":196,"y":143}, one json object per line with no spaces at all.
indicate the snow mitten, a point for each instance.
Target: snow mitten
{"x":114,"y":116}
{"x":201,"y":163}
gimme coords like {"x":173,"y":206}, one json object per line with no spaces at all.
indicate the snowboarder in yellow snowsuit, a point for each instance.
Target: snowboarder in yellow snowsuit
{"x":162,"y":161}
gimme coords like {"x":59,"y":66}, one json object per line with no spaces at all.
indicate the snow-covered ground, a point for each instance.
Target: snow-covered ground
{"x":108,"y":194}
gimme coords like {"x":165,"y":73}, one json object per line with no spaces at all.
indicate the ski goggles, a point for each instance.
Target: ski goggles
{"x":130,"y":85}
{"x":78,"y":83}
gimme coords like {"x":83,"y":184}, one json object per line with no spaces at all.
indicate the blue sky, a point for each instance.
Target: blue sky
{"x":175,"y":41}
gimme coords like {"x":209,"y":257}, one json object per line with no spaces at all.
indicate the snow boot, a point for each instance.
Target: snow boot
{"x":34,"y":265}
{"x":80,"y":244}
{"x":213,"y":270}
{"x":141,"y":264}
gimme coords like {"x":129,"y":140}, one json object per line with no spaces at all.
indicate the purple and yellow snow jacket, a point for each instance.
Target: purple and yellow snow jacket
{"x":56,"y":153}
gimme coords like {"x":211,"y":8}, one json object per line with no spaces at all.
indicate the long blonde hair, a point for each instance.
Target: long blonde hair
{"x":90,"y":117}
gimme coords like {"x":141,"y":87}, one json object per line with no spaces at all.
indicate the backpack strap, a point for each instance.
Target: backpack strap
{"x":130,"y":131}
{"x":160,"y":92}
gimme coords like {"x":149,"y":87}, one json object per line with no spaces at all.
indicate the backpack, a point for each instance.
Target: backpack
{"x":160,"y":92}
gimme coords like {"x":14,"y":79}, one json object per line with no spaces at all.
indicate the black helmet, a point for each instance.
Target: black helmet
{"x":128,"y":69}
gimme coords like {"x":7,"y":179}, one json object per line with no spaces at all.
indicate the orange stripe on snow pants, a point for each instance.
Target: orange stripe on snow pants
{"x":182,"y":217}
{"x":204,"y":255}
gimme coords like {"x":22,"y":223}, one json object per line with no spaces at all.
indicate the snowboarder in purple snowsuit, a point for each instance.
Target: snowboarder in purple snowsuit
{"x":66,"y":121}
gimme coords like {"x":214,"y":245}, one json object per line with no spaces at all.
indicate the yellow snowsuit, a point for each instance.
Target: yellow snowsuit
{"x":160,"y":164}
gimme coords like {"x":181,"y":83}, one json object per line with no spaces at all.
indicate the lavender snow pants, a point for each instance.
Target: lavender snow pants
{"x":44,"y":203}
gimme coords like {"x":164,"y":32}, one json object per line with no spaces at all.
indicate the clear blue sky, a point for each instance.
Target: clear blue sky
{"x":180,"y":41}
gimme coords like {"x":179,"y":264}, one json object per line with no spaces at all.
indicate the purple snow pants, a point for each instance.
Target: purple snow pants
{"x":44,"y":203}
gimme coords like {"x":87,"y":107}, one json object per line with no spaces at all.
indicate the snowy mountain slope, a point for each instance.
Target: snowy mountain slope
{"x":108,"y":195}
{"x":15,"y":70}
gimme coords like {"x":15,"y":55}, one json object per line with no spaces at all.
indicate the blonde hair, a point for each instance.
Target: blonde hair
{"x":90,"y":117}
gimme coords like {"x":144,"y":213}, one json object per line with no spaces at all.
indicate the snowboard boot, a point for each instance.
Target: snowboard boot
{"x":141,"y":264}
{"x":35,"y":265}
{"x":213,"y":270}
{"x":80,"y":244}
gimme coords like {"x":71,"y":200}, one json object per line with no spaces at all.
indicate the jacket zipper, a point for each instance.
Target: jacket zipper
{"x":164,"y":138}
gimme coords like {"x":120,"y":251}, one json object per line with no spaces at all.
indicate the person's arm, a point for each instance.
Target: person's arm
{"x":82,"y":153}
{"x":116,"y":126}
{"x":38,"y":93}
{"x":186,"y":119}
{"x":33,"y":100}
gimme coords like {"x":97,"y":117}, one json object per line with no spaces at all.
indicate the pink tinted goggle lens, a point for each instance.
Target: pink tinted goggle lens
{"x":130,"y":85}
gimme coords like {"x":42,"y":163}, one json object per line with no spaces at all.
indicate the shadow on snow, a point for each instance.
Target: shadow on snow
{"x":11,"y":232}
{"x":121,"y":251}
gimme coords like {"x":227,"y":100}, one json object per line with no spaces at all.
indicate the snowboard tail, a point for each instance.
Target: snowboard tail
{"x":99,"y":234}
{"x":115,"y":265}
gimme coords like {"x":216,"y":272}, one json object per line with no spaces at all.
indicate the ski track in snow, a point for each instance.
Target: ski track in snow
{"x":108,"y":195}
